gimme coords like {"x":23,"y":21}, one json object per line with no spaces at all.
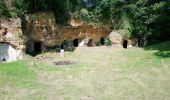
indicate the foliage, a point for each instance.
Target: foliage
{"x":107,"y":41}
{"x":126,"y":28}
{"x":140,"y":18}
{"x":3,"y":9}
{"x":59,"y":7}
{"x":144,"y":15}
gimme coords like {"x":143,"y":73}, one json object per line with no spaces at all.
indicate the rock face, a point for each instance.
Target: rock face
{"x":11,"y":38}
{"x":118,"y":40}
{"x":42,"y":28}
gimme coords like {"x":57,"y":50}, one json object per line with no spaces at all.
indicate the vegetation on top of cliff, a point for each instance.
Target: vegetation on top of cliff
{"x":139,"y":18}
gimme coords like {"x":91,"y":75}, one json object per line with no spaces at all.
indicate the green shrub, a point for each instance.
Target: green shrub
{"x":107,"y":41}
{"x":127,"y":28}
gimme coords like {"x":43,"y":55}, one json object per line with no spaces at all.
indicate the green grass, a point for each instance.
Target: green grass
{"x":17,"y":72}
{"x":102,"y":73}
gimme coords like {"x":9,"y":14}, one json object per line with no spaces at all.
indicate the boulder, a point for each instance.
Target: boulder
{"x":116,"y":38}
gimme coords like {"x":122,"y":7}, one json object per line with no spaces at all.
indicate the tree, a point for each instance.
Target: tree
{"x":139,"y":18}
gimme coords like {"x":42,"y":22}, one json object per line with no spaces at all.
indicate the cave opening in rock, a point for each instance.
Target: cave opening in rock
{"x":139,"y":43}
{"x":75,"y":42}
{"x":37,"y":47}
{"x":90,"y":43}
{"x":125,"y":44}
{"x":102,"y":41}
{"x":62,"y":46}
{"x":4,"y":59}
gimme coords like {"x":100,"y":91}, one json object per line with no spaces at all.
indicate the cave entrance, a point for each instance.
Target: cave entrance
{"x":4,"y":59}
{"x":37,"y":47}
{"x":62,"y":46}
{"x":90,"y":43}
{"x":139,"y":43}
{"x":125,"y":44}
{"x":76,"y":42}
{"x":65,"y":44}
{"x":102,"y":41}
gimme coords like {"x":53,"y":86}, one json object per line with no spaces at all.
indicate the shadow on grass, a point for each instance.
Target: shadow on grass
{"x":163,"y":49}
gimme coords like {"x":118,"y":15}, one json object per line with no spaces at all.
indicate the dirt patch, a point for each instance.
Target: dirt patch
{"x":65,"y":62}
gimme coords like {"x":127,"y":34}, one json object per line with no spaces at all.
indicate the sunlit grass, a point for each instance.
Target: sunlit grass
{"x":102,"y":73}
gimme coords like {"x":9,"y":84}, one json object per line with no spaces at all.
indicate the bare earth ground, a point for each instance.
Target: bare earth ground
{"x":102,"y":73}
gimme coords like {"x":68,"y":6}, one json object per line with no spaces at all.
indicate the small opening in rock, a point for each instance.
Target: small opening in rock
{"x":4,"y":32}
{"x":90,"y":43}
{"x":37,"y":47}
{"x":102,"y":41}
{"x":62,"y":46}
{"x":4,"y":59}
{"x":125,"y":44}
{"x":75,"y":42}
{"x":139,"y":43}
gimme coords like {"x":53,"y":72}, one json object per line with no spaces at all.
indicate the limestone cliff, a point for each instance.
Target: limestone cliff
{"x":42,"y":27}
{"x":12,"y":45}
{"x":11,"y":32}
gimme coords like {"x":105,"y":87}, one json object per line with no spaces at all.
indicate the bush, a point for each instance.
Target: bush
{"x":107,"y":41}
{"x":127,"y":28}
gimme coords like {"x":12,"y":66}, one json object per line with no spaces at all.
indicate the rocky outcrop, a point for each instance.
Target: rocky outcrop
{"x":116,"y":38}
{"x":42,"y":27}
{"x":11,"y":33}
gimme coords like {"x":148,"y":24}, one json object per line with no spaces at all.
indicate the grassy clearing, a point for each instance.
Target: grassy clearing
{"x":102,"y":73}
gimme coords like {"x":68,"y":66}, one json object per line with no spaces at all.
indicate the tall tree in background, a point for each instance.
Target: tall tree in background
{"x":148,"y":18}
{"x":139,"y":18}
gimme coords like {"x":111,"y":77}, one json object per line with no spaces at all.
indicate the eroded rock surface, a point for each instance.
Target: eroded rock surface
{"x":11,"y":37}
{"x":43,"y":28}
